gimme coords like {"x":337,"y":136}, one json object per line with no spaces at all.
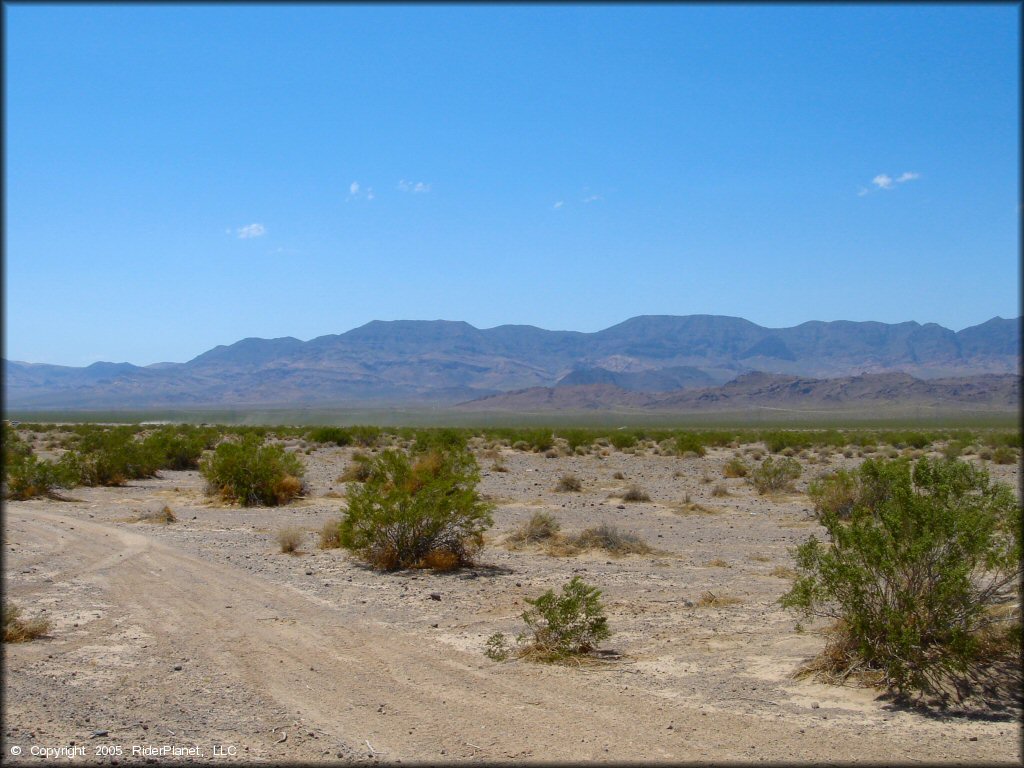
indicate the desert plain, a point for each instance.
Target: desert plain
{"x":201,"y":635}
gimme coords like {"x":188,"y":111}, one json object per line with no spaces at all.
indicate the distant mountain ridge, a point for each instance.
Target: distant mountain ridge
{"x":443,"y":362}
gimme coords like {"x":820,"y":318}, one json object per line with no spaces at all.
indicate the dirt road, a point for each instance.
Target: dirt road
{"x":159,"y":644}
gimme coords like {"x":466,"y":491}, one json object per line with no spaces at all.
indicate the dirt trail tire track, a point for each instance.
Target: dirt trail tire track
{"x":284,"y":649}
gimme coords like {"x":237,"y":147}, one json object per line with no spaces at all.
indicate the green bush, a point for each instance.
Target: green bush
{"x":622,"y":439}
{"x":565,"y":625}
{"x":251,"y":473}
{"x":177,"y":448}
{"x":775,"y":474}
{"x":422,"y":514}
{"x":28,"y":477}
{"x":428,"y":440}
{"x":836,"y":493}
{"x":112,"y":457}
{"x":918,"y":576}
{"x":688,"y":441}
{"x":337,"y":435}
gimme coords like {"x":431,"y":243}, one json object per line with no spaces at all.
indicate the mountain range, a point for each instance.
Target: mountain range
{"x":667,"y":358}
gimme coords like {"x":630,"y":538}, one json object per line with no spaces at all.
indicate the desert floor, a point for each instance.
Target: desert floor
{"x":201,"y":633}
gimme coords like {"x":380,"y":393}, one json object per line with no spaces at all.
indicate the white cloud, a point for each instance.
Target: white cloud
{"x":882,"y":181}
{"x":417,"y":187}
{"x":251,"y":230}
{"x":357,"y":192}
{"x":592,"y":198}
{"x":908,"y":176}
{"x":558,"y":205}
{"x":861,"y":191}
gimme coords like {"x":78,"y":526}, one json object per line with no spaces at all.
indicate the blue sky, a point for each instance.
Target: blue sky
{"x":179,"y":177}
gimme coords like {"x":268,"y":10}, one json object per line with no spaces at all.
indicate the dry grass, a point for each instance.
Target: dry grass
{"x":569,"y":483}
{"x":19,"y":630}
{"x":539,"y":528}
{"x":607,"y":538}
{"x":711,"y":600}
{"x":635,"y":493}
{"x":782,"y":572}
{"x":760,"y":558}
{"x":717,"y":563}
{"x":163,"y":516}
{"x":330,"y":535}
{"x":618,"y":476}
{"x":687,"y":507}
{"x":441,"y":560}
{"x":287,"y":488}
{"x":735,"y":467}
{"x":720,"y":490}
{"x":289,"y":539}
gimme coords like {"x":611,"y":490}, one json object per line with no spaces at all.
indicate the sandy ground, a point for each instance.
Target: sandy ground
{"x":202,"y":635}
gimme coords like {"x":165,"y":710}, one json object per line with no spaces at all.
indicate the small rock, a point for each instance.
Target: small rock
{"x":434,"y":626}
{"x":177,"y":667}
{"x":98,"y":734}
{"x":973,"y":738}
{"x":620,"y":506}
{"x":435,"y":595}
{"x":815,"y":705}
{"x":309,"y":573}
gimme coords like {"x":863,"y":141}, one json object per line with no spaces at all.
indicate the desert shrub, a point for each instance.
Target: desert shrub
{"x":406,"y":512}
{"x":330,"y":535}
{"x":177,"y":448}
{"x":689,"y":442}
{"x":618,"y":476}
{"x":775,"y":474}
{"x":358,"y":471}
{"x":540,"y":527}
{"x":569,"y":483}
{"x":497,"y":647}
{"x":251,"y":473}
{"x":366,"y":436}
{"x":609,"y":539}
{"x":439,"y":440}
{"x":290,"y":539}
{"x":339,"y":436}
{"x":26,"y":476}
{"x":163,"y":516}
{"x":19,"y":630}
{"x":777,"y":441}
{"x":112,"y":457}
{"x":836,"y":493}
{"x":719,"y":489}
{"x":915,"y":575}
{"x":1003,"y":454}
{"x":622,"y":439}
{"x":539,"y":440}
{"x":565,"y":625}
{"x":635,"y":493}
{"x":736,"y":467}
{"x":953,"y":449}
{"x":577,"y":438}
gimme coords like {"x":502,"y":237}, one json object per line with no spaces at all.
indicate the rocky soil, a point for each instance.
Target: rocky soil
{"x":202,"y":635}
